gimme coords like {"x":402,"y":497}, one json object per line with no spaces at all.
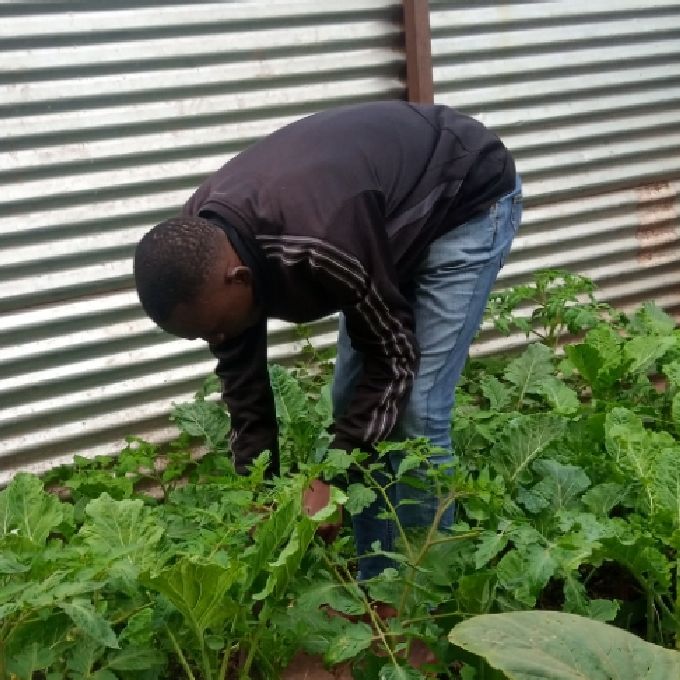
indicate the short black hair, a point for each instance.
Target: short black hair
{"x":172,"y":262}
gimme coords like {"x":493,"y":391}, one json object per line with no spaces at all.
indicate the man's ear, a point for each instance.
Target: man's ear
{"x":242,"y":275}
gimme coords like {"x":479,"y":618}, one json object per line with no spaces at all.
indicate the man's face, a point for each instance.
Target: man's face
{"x":223,"y":309}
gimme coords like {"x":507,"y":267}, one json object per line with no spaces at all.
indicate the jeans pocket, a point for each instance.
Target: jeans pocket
{"x":507,"y":227}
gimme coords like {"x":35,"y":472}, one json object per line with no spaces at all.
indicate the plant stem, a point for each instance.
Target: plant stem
{"x":180,"y":655}
{"x":392,"y":509}
{"x":244,"y":673}
{"x":651,"y":616}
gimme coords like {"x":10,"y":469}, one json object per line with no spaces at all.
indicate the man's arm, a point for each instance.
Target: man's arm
{"x":242,"y":367}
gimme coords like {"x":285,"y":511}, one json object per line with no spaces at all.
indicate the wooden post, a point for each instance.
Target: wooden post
{"x":419,"y":84}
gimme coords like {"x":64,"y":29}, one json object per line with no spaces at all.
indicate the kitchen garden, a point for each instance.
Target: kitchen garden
{"x":564,"y":561}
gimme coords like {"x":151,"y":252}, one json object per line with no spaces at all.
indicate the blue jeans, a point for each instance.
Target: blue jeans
{"x":449,"y":296}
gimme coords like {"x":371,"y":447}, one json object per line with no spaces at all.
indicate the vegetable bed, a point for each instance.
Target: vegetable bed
{"x":160,"y":564}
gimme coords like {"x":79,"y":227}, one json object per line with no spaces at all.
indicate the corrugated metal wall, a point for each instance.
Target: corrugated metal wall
{"x":587,"y":95}
{"x":111,"y":113}
{"x":109,"y":117}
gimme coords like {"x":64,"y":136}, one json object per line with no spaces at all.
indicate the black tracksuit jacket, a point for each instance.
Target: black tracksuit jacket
{"x":334,"y":213}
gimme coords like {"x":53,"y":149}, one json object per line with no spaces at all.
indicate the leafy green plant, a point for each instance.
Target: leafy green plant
{"x":529,"y":645}
{"x":566,"y":489}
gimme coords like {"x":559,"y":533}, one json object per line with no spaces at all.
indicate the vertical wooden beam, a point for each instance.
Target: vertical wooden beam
{"x":419,"y":84}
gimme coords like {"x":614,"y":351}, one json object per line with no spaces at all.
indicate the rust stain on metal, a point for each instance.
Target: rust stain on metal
{"x":658,"y":218}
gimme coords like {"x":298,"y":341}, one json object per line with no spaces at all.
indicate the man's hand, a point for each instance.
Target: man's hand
{"x":316,"y":497}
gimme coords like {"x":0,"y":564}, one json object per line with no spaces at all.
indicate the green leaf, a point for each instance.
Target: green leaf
{"x":522,"y":440}
{"x":352,"y":639}
{"x":392,"y":672}
{"x":601,"y":499}
{"x":675,"y":411}
{"x":561,"y":397}
{"x":411,"y":461}
{"x":560,"y":486}
{"x":206,"y":419}
{"x":526,"y":573}
{"x":30,"y":660}
{"x":284,"y":568}
{"x":26,"y":511}
{"x":82,"y":657}
{"x":650,"y":318}
{"x":92,"y":624}
{"x":586,"y":360}
{"x":359,"y":497}
{"x":9,"y":564}
{"x":342,"y":598}
{"x":123,"y":531}
{"x":289,"y":397}
{"x":672,"y":372}
{"x":270,"y":535}
{"x":644,"y":351}
{"x":496,"y":392}
{"x":198,"y":591}
{"x":530,"y":645}
{"x":528,"y":371}
{"x":490,"y":544}
{"x":136,"y":659}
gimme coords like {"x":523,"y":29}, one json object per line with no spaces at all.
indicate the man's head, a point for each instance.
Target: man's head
{"x":192,"y":283}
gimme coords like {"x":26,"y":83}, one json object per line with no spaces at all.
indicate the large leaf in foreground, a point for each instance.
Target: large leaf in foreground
{"x":558,"y":646}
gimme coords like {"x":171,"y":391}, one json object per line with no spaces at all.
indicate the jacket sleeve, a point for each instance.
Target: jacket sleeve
{"x":247,"y":392}
{"x":380,"y":326}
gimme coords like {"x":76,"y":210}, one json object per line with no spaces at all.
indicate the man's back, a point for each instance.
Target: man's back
{"x":415,"y":171}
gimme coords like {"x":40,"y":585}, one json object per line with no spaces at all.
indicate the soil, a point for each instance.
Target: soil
{"x":307,"y":667}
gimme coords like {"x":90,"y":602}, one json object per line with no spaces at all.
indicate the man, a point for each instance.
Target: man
{"x":397,"y":215}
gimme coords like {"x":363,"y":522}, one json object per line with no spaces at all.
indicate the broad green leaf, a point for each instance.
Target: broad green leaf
{"x":135,"y":659}
{"x":607,"y":342}
{"x":270,"y":535}
{"x":638,"y":453}
{"x":27,"y":512}
{"x":666,"y":482}
{"x":560,"y":486}
{"x":526,"y":573}
{"x":523,"y":440}
{"x":559,"y":646}
{"x":650,"y":318}
{"x":9,"y":564}
{"x":529,"y":370}
{"x":411,"y":461}
{"x":561,"y":397}
{"x":576,"y":601}
{"x":672,"y":372}
{"x":644,"y":351}
{"x":675,"y":411}
{"x":496,"y":392}
{"x":359,"y":497}
{"x":82,"y":657}
{"x":490,"y":544}
{"x":123,"y":531}
{"x":92,"y":624}
{"x":205,"y":419}
{"x":586,"y":360}
{"x":289,"y":397}
{"x":392,"y":672}
{"x":342,"y":598}
{"x":601,"y":499}
{"x":198,"y":591}
{"x":284,"y":568}
{"x":30,"y":660}
{"x":352,"y":639}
